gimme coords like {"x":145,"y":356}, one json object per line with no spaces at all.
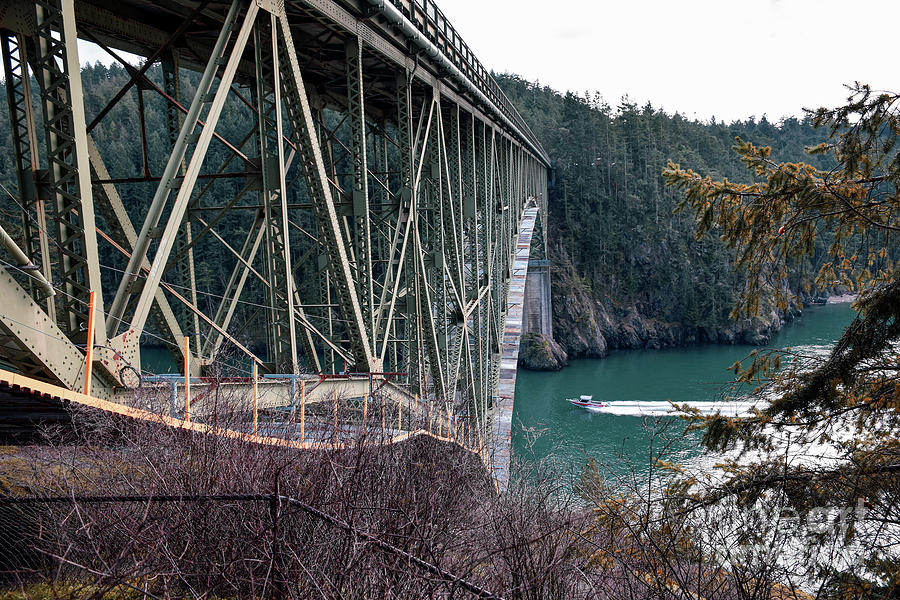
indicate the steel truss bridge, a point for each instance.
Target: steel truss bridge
{"x":366,"y":221}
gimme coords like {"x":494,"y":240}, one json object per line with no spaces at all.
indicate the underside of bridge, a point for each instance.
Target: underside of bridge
{"x":366,"y":220}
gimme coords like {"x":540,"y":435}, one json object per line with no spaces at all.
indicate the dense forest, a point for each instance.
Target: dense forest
{"x":627,"y":271}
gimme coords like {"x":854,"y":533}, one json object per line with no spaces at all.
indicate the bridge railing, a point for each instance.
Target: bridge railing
{"x":429,"y":19}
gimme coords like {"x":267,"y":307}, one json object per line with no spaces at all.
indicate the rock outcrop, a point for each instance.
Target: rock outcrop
{"x":586,"y":326}
{"x":540,"y":353}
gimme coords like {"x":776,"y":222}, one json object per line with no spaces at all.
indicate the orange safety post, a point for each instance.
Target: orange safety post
{"x":187,"y":378}
{"x":89,"y":347}
{"x":255,"y":400}
{"x":365,"y":409}
{"x":335,"y":415}
{"x":302,"y":409}
{"x":293,"y":402}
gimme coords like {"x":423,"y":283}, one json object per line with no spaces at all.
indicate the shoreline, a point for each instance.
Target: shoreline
{"x":775,"y":326}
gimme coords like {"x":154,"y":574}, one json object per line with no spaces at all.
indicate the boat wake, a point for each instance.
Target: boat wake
{"x":662,"y":408}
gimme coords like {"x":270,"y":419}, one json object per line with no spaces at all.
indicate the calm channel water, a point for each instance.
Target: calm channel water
{"x":545,"y":426}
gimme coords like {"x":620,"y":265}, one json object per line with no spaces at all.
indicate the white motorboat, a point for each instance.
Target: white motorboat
{"x":586,"y":401}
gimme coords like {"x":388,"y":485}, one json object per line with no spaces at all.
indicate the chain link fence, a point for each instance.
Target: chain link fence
{"x":230,"y":545}
{"x":124,"y":508}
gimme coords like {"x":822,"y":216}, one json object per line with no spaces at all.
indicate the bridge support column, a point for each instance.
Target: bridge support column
{"x":538,"y":316}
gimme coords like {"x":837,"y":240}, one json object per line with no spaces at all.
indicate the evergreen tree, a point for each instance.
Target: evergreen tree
{"x":827,"y":433}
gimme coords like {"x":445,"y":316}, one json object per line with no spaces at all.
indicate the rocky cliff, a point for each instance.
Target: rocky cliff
{"x":589,"y":325}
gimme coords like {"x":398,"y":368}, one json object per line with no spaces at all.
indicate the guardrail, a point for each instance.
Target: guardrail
{"x":419,"y":421}
{"x":430,"y":22}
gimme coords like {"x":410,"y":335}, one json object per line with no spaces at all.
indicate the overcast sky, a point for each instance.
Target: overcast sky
{"x":725,"y":58}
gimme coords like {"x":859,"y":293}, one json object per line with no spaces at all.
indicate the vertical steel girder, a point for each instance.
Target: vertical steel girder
{"x":433,"y":299}
{"x":453,"y":232}
{"x":451,"y":195}
{"x":386,"y":204}
{"x":496,"y":244}
{"x":172,"y":88}
{"x":68,"y":175}
{"x":25,"y":154}
{"x":360,"y":190}
{"x":282,"y":330}
{"x":413,"y":146}
{"x":409,"y":354}
{"x":429,"y":280}
{"x":397,"y":253}
{"x":472,"y":317}
{"x":481,"y":265}
{"x":304,"y":136}
{"x":21,"y":119}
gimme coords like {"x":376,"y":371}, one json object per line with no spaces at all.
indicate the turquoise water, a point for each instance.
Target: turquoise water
{"x":159,"y":360}
{"x":546,"y":427}
{"x":155,"y":359}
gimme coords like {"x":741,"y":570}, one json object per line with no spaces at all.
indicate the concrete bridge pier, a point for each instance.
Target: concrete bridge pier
{"x":538,"y":304}
{"x":538,"y":314}
{"x":539,"y":349}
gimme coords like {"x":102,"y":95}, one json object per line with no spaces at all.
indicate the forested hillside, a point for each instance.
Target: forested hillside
{"x":627,"y":272}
